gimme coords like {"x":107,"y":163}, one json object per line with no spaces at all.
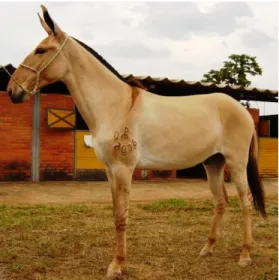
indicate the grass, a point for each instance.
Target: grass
{"x":177,"y":204}
{"x":164,"y":238}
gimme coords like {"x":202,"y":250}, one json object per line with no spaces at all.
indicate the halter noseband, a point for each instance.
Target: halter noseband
{"x":38,"y":72}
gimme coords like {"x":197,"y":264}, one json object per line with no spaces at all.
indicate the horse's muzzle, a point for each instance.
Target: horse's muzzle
{"x":18,"y":98}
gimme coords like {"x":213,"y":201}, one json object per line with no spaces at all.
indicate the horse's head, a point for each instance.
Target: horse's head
{"x":45,"y":65}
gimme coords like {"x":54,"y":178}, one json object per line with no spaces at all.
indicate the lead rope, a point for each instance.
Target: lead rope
{"x":38,"y":72}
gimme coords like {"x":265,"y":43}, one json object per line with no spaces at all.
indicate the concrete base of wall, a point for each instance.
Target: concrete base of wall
{"x":91,"y":175}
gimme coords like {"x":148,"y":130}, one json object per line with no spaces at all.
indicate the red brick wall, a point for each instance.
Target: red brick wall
{"x":57,"y":145}
{"x":154,"y":175}
{"x":162,"y":175}
{"x":264,"y":128}
{"x":255,"y":113}
{"x":15,"y":139}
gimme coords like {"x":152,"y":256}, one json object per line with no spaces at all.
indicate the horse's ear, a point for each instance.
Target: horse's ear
{"x":44,"y":25}
{"x":50,"y":23}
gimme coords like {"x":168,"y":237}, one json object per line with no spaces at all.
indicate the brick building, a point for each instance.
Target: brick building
{"x":45,"y":137}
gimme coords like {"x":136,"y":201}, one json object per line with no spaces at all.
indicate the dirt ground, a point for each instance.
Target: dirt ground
{"x":15,"y":193}
{"x":72,"y":236}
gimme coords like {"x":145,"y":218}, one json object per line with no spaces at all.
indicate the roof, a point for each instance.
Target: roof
{"x":211,"y":87}
{"x":198,"y":83}
{"x":169,"y":87}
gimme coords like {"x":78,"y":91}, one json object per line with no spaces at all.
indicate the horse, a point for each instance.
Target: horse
{"x":134,"y":128}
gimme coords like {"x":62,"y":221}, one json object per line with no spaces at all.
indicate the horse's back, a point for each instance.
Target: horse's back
{"x":194,"y":108}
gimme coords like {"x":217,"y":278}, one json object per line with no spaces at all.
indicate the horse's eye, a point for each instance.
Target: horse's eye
{"x":40,"y":51}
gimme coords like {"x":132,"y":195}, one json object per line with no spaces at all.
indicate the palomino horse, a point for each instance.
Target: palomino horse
{"x":133,"y":128}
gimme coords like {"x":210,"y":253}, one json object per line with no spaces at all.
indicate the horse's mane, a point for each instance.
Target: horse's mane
{"x":101,"y":59}
{"x":131,"y":81}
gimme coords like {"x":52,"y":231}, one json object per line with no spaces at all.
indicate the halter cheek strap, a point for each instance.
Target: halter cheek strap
{"x":38,"y":72}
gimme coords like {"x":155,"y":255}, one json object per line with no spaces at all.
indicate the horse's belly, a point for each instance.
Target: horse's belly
{"x":174,"y":157}
{"x":162,"y":164}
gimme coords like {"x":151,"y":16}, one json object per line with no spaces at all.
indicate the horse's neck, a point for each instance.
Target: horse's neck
{"x":101,"y":98}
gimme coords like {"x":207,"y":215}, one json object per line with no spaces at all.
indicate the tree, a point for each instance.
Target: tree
{"x":235,"y":71}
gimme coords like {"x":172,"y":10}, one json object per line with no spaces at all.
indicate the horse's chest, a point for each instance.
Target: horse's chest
{"x":102,"y":149}
{"x":120,"y":147}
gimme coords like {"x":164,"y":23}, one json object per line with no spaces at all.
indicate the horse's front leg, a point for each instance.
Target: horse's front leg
{"x":122,"y":177}
{"x":111,"y":184}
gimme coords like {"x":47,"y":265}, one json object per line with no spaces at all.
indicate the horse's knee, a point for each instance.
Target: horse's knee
{"x":120,"y":221}
{"x":120,"y":225}
{"x":220,"y":208}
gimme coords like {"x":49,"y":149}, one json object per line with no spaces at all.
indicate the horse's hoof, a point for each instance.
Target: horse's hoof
{"x":206,"y":251}
{"x":244,"y":262}
{"x":113,"y":273}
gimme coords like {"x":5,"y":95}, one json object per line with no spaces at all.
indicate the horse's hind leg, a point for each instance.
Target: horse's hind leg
{"x":239,"y":177}
{"x":214,"y":167}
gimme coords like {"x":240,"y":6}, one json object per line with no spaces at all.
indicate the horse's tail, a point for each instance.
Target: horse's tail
{"x":254,"y":179}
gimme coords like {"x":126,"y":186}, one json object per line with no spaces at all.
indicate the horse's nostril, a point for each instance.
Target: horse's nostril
{"x":10,"y":92}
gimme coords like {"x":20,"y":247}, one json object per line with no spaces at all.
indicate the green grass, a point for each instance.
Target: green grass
{"x":177,"y":204}
{"x":272,"y":210}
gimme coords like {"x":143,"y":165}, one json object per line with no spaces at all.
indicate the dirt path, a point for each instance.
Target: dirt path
{"x":99,"y":192}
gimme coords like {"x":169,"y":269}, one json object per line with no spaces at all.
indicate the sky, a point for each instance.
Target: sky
{"x":179,"y":40}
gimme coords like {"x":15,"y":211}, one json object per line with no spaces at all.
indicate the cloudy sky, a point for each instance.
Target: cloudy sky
{"x":162,"y":39}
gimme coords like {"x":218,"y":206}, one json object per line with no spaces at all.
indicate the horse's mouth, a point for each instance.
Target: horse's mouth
{"x":19,"y":98}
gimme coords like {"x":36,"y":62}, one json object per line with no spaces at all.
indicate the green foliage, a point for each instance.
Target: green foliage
{"x":272,"y":210}
{"x":234,"y":71}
